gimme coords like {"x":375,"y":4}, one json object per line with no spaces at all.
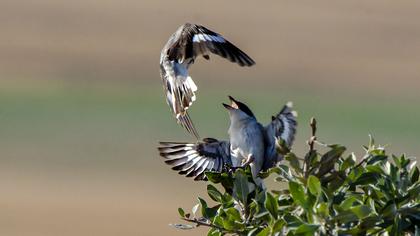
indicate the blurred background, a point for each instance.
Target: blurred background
{"x":82,"y":107}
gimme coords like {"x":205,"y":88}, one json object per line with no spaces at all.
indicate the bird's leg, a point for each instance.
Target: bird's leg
{"x":232,"y":169}
{"x":248,"y":160}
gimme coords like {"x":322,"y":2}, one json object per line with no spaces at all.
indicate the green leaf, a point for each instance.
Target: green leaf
{"x":335,"y":183}
{"x":218,"y":220}
{"x":233,"y":214}
{"x":346,"y":217}
{"x":397,"y":227}
{"x":285,"y":173}
{"x":414,"y":173}
{"x":227,"y":200}
{"x":349,"y":162}
{"x":414,"y":190}
{"x":329,"y":159}
{"x":195,"y":208}
{"x":292,"y":221}
{"x":265,"y":174}
{"x":367,"y":178}
{"x":264,"y":232}
{"x":348,"y":202}
{"x":370,"y":222}
{"x":271,"y":205}
{"x":375,"y":169}
{"x":214,"y":232}
{"x":294,"y":162}
{"x":241,"y":186}
{"x":207,"y":212}
{"x":214,"y":177}
{"x":281,"y":146}
{"x":314,"y":185}
{"x":262,"y":214}
{"x":375,"y":159}
{"x":223,"y":178}
{"x":306,"y":229}
{"x":181,"y":212}
{"x":202,"y":202}
{"x":214,"y":193}
{"x":298,"y":193}
{"x":361,"y":211}
{"x":229,"y":225}
{"x":278,"y":226}
{"x":322,"y":209}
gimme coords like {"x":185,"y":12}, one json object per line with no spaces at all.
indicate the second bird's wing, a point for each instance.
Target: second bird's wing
{"x":282,"y":126}
{"x":193,"y":159}
{"x":196,"y":40}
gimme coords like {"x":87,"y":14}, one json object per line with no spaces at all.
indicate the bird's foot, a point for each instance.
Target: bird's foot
{"x":247,"y":161}
{"x":233,"y":169}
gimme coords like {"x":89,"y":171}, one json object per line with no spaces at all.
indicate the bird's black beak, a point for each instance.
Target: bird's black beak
{"x":233,"y":105}
{"x":227,"y":106}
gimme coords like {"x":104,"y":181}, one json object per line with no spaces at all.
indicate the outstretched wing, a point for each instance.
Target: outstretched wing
{"x":193,"y":159}
{"x":195,"y":40}
{"x":282,"y":126}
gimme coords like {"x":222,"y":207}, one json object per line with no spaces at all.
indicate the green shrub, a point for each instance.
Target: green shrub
{"x":327,"y":193}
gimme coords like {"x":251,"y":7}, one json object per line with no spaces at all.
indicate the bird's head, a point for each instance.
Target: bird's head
{"x":238,"y":109}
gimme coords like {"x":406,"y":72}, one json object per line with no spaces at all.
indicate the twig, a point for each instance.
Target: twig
{"x":211,"y":225}
{"x":311,"y":143}
{"x":312,"y":140}
{"x":365,"y":159}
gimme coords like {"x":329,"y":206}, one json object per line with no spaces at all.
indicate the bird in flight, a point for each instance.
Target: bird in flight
{"x":181,"y":50}
{"x":249,"y":143}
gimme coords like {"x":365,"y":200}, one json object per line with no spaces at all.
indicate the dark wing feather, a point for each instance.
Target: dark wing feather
{"x":181,"y":48}
{"x":193,"y":159}
{"x":195,"y":40}
{"x":205,"y":41}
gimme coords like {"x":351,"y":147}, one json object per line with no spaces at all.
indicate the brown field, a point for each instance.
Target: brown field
{"x":81,"y":108}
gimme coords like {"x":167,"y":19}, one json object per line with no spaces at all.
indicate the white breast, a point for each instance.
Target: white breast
{"x":236,"y":157}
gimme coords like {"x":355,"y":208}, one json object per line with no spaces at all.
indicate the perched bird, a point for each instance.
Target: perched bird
{"x":249,"y":144}
{"x":181,"y":50}
{"x":246,"y":137}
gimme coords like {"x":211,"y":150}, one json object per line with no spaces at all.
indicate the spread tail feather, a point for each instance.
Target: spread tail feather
{"x":186,"y":122}
{"x":184,"y":97}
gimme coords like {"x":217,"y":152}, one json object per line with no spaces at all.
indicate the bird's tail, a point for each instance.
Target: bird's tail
{"x":185,"y":96}
{"x":282,"y":127}
{"x":286,"y":119}
{"x":186,"y":122}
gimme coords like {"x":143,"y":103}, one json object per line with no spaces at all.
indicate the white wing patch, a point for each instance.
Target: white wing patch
{"x":205,"y":37}
{"x":191,"y":83}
